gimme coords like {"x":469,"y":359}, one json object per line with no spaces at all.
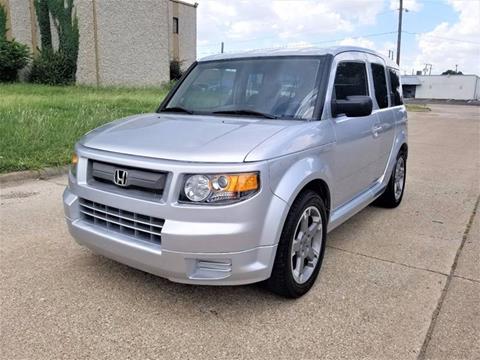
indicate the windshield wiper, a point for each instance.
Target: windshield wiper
{"x":177,"y":109}
{"x":245,"y":112}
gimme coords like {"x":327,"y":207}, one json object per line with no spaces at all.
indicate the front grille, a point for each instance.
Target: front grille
{"x":143,"y":227}
{"x":140,"y":183}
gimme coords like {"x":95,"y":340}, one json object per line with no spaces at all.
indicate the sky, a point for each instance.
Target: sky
{"x":443,"y":33}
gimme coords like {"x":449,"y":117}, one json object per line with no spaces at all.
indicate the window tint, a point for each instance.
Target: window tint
{"x":380,"y":83}
{"x":350,"y":79}
{"x":396,"y":91}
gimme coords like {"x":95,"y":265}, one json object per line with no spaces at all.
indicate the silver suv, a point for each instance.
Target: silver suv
{"x":246,"y":166}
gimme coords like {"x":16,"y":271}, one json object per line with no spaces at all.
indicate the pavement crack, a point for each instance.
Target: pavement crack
{"x":465,"y":278}
{"x":436,"y":312}
{"x":388,"y":261}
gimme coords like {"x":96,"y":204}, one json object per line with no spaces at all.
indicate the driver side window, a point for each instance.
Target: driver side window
{"x":350,"y":80}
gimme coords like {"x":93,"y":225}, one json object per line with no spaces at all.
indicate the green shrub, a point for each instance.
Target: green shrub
{"x":13,"y":57}
{"x":56,"y":66}
{"x":176,"y":69}
{"x":52,"y":69}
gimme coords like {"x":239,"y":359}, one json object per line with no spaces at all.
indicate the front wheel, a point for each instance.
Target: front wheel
{"x":301,"y":247}
{"x":392,"y":197}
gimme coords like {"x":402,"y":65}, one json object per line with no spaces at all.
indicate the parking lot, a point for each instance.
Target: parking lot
{"x":395,"y":284}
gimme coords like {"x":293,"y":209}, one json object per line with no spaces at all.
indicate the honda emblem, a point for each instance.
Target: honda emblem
{"x":120,"y":177}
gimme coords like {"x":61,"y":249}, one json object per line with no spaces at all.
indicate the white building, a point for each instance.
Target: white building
{"x":442,"y":87}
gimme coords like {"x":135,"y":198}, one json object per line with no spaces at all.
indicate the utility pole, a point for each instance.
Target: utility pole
{"x":399,"y":38}
{"x":221,"y":48}
{"x":427,"y":68}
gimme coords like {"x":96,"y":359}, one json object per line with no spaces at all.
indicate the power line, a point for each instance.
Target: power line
{"x":441,"y":37}
{"x":313,"y":43}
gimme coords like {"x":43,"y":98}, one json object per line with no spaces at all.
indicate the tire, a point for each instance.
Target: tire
{"x":285,"y":279}
{"x":392,"y":197}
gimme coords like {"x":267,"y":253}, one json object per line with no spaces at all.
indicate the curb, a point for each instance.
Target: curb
{"x":40,"y":174}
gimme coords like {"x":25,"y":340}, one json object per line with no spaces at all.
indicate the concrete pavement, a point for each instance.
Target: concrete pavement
{"x":395,"y":284}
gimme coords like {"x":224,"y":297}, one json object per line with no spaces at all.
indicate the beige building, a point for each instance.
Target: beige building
{"x":122,"y":42}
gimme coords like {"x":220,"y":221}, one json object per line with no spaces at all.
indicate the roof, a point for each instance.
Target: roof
{"x":304,"y":51}
{"x":418,"y":79}
{"x":410,"y":80}
{"x":194,"y":5}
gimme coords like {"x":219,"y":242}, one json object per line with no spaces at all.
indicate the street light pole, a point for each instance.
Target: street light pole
{"x":399,"y":38}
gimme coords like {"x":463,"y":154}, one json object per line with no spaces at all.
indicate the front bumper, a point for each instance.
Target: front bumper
{"x":233,"y":268}
{"x":224,"y":245}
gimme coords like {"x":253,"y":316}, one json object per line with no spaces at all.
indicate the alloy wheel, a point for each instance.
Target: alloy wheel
{"x":399,"y":178}
{"x":306,"y":245}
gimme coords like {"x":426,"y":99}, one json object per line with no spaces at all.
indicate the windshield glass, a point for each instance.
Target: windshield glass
{"x":282,"y":88}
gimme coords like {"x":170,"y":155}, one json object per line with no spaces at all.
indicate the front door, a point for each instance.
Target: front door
{"x":355,"y":149}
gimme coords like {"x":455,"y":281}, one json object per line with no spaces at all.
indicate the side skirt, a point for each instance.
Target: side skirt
{"x":346,"y":211}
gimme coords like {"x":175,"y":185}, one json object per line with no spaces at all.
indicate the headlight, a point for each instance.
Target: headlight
{"x":219,"y":188}
{"x":73,"y":164}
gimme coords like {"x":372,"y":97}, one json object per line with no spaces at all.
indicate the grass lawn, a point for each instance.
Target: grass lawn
{"x":40,"y":124}
{"x":418,"y":108}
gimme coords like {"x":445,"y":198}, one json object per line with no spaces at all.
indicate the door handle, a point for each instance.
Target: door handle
{"x":376,"y":130}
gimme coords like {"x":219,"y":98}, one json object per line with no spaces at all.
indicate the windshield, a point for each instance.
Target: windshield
{"x":282,"y":88}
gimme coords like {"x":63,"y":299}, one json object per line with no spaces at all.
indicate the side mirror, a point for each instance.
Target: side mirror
{"x":353,"y":106}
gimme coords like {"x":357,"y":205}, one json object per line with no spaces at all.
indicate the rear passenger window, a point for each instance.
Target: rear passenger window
{"x":380,"y":84}
{"x":350,"y":80}
{"x":396,"y":91}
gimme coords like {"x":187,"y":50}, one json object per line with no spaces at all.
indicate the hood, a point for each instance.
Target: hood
{"x":184,"y":137}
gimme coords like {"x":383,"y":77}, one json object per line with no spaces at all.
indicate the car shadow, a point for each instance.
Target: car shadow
{"x":157,"y":291}
{"x":104,"y":271}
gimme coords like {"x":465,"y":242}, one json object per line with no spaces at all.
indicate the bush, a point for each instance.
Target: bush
{"x":13,"y":57}
{"x":176,"y":69}
{"x":56,"y":66}
{"x":52,"y":69}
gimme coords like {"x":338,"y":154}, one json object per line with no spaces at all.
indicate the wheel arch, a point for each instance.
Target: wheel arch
{"x":292,"y":176}
{"x":320,"y":187}
{"x":404,"y":149}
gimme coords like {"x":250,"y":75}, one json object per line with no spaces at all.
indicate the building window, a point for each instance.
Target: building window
{"x":175,"y":25}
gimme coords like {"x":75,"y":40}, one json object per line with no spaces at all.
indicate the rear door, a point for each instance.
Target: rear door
{"x":354,"y":151}
{"x":383,"y":129}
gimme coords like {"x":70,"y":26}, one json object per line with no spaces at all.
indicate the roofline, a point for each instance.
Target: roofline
{"x":194,"y":5}
{"x":304,"y":51}
{"x":447,"y":75}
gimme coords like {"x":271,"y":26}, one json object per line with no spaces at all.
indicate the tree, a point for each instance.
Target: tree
{"x":452,"y":72}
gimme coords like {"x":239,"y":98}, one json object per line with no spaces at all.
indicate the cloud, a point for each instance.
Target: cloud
{"x":252,"y":24}
{"x":448,"y":45}
{"x":410,"y":5}
{"x":359,"y":41}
